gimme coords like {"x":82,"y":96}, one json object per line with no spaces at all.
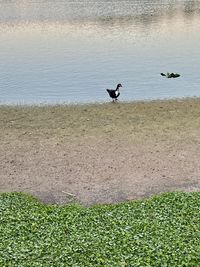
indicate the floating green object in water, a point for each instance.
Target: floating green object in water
{"x":171,"y":75}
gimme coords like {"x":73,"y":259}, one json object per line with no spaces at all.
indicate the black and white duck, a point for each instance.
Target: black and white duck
{"x":114,"y":94}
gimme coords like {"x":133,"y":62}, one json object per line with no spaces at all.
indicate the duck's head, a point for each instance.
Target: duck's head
{"x":119,"y":85}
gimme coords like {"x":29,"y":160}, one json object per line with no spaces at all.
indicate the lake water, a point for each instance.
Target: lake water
{"x":55,"y":51}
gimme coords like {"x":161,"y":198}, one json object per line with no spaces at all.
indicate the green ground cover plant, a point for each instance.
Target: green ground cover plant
{"x":160,"y":231}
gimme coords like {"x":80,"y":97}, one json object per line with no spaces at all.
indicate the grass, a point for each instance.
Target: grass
{"x":161,"y":231}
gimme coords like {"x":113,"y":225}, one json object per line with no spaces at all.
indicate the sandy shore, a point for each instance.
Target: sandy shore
{"x":101,"y":153}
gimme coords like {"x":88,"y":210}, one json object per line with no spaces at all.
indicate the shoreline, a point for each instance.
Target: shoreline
{"x":99,"y":103}
{"x":100,"y":153}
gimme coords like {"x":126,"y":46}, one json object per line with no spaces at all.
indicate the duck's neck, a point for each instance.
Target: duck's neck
{"x":117,"y":89}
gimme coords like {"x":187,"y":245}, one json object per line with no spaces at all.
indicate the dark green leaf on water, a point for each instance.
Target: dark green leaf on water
{"x":171,"y":75}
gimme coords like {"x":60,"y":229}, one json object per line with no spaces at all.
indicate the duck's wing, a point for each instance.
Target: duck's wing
{"x":111,"y":92}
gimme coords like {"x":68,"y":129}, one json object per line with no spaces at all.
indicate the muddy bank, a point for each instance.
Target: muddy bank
{"x":100,"y":153}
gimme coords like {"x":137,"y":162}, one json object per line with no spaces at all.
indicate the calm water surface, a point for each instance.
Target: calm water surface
{"x":71,"y":51}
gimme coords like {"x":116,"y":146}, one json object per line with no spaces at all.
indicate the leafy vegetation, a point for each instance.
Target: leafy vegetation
{"x":160,"y":231}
